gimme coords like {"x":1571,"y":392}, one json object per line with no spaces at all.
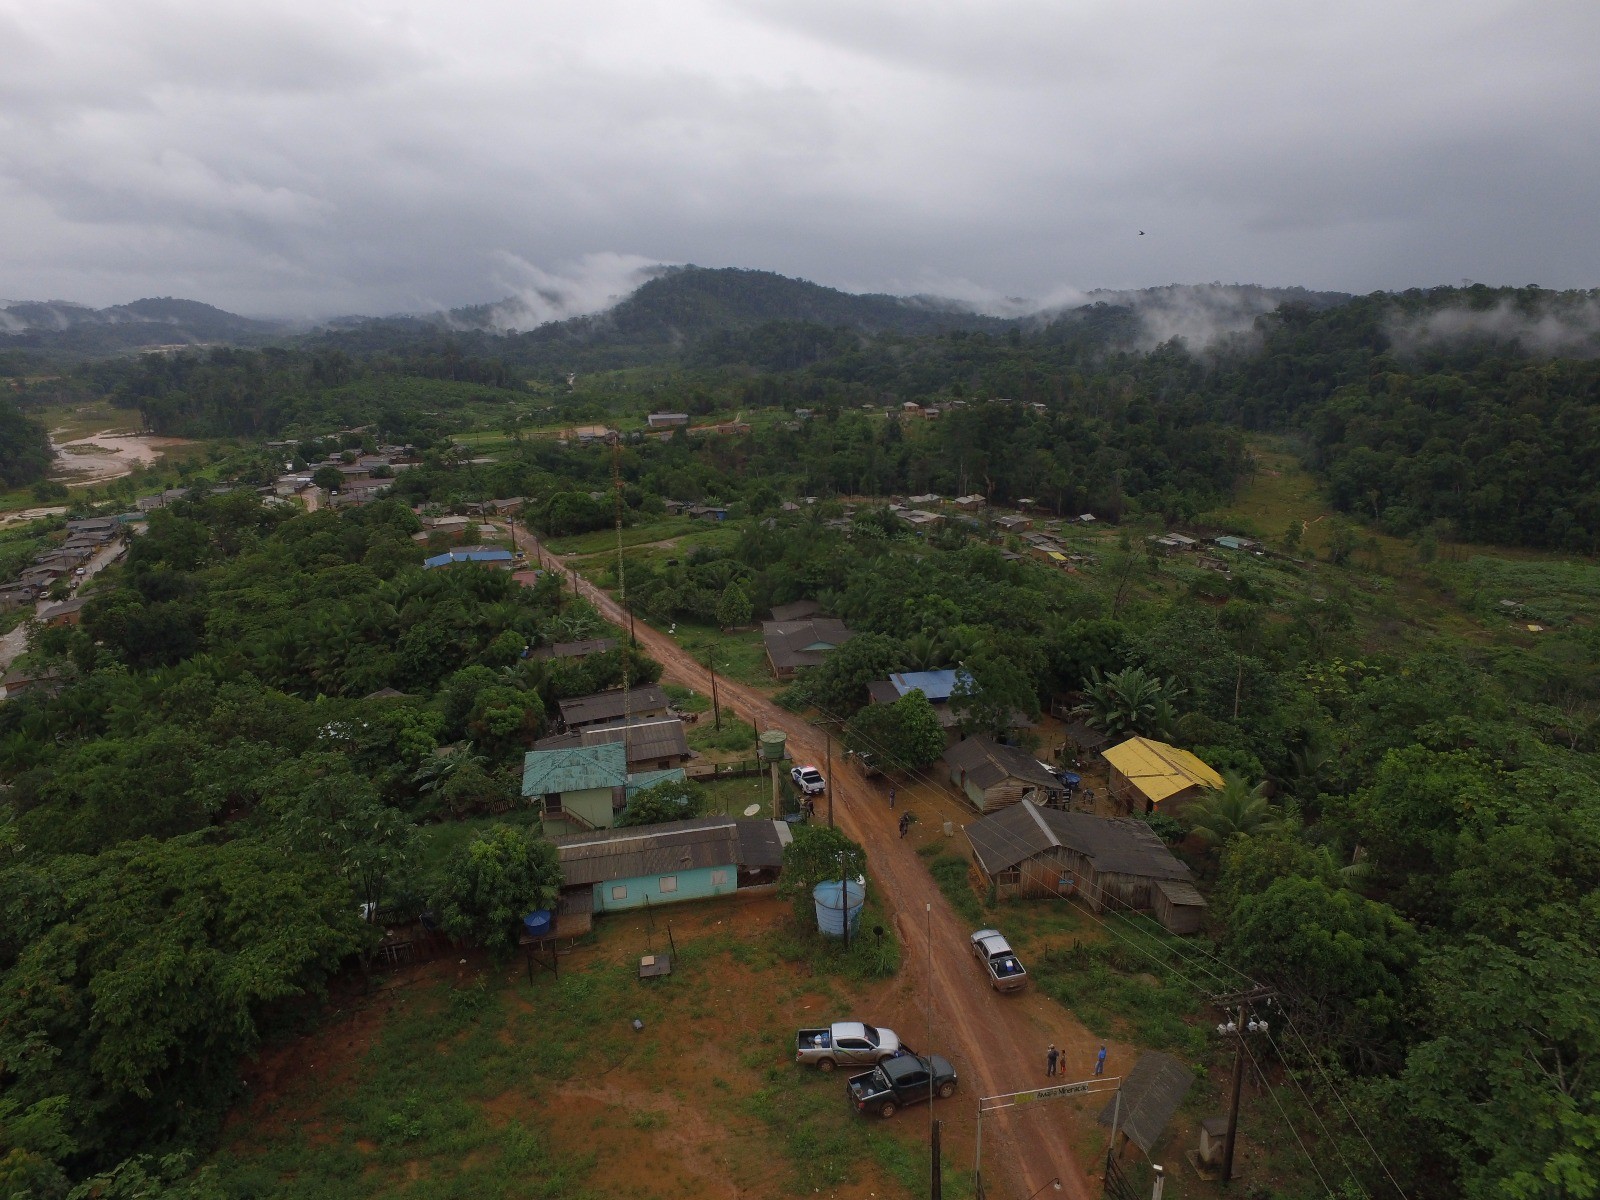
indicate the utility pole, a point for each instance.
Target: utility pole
{"x":844,"y":900}
{"x":828,"y":778}
{"x":716,"y":704}
{"x":936,"y":1187}
{"x":1237,"y":1026}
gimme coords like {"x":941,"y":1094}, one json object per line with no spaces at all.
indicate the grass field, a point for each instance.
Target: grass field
{"x":454,"y":1079}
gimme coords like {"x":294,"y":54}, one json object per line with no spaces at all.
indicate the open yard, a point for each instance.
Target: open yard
{"x":455,"y":1079}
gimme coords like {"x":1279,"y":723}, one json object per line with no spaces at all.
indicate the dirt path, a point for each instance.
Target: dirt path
{"x":997,"y":1043}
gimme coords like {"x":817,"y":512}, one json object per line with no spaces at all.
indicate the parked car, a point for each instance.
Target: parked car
{"x":868,"y":764}
{"x":892,"y":1085}
{"x":847,"y":1042}
{"x":999,"y":961}
{"x":809,"y":780}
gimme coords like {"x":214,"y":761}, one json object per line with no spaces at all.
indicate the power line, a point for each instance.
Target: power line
{"x":1329,"y":1081}
{"x":1279,"y":1105}
{"x":1193,"y":964}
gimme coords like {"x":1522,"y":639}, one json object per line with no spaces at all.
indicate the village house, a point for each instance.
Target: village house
{"x":1174,"y":542}
{"x":576,"y":788}
{"x":1013,"y":523}
{"x":580,"y":649}
{"x":993,"y":776}
{"x":802,"y":641}
{"x":667,"y":420}
{"x":484,"y":556}
{"x":1151,"y":776}
{"x":599,"y":708}
{"x":936,"y":686}
{"x":68,"y":612}
{"x":695,"y":859}
{"x":1025,"y":851}
{"x":653,"y":744}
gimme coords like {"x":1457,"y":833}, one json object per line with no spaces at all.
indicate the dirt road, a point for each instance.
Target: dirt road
{"x":997,"y":1043}
{"x":14,"y":643}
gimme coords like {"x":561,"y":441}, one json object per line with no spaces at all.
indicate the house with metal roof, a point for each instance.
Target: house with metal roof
{"x":1026,"y":850}
{"x":675,"y":860}
{"x":578,"y":649}
{"x":993,"y":776}
{"x":654,"y":743}
{"x":599,"y":708}
{"x":489,"y":556}
{"x":576,"y":788}
{"x":792,"y":645}
{"x":1151,"y":776}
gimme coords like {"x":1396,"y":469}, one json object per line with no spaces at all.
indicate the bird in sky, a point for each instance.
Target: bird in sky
{"x":1141,"y":233}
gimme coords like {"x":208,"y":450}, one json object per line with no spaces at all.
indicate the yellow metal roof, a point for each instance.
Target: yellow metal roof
{"x":1057,"y":557}
{"x":1159,"y":770}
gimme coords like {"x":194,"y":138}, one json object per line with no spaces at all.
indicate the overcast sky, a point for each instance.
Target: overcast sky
{"x":310,"y":157}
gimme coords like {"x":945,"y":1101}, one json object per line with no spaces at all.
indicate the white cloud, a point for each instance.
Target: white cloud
{"x":382,"y":155}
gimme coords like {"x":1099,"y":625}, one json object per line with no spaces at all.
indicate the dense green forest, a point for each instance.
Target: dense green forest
{"x":194,"y":817}
{"x":25,"y":455}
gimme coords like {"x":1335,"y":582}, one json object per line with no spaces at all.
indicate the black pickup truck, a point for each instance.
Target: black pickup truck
{"x":893,"y":1084}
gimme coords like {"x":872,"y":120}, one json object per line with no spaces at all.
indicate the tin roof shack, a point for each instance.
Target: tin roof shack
{"x":792,"y":645}
{"x":1029,"y":851}
{"x":484,"y":556}
{"x":654,"y":744}
{"x":1150,"y":1095}
{"x":1151,"y":776}
{"x":600,"y":708}
{"x":576,"y":788}
{"x":581,"y":649}
{"x":672,"y":861}
{"x":993,"y":776}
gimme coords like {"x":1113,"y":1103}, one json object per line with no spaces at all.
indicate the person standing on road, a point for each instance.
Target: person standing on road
{"x":1050,"y":1057}
{"x":1100,"y":1062}
{"x":891,"y":795}
{"x":905,"y":823}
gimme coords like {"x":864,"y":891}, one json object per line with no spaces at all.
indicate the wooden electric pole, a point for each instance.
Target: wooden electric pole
{"x":936,"y":1180}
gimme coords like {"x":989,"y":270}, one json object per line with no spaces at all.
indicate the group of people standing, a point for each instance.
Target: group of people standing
{"x":1055,"y":1061}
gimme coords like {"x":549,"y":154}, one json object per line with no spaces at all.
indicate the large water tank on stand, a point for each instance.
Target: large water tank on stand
{"x":773,"y":745}
{"x":832,"y":898}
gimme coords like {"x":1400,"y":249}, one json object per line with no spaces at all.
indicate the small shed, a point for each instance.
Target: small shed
{"x":993,"y":776}
{"x":1144,"y":1104}
{"x":579,"y":649}
{"x":1151,"y":776}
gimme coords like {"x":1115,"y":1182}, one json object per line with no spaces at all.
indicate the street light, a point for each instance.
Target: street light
{"x":1054,"y":1184}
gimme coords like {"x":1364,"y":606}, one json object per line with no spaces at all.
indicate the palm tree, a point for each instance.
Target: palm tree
{"x":1233,"y":809}
{"x":1128,"y":702}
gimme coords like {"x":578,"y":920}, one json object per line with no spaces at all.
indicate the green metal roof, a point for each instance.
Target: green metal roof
{"x":575,"y":769}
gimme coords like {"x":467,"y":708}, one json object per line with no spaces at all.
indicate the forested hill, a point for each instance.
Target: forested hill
{"x":664,"y":318}
{"x":76,"y":331}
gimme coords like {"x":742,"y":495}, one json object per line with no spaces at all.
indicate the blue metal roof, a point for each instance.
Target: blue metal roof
{"x":935,"y":685}
{"x":477,"y":555}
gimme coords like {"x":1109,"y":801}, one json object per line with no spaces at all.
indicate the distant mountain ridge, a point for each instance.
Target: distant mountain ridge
{"x":673,"y":310}
{"x":77,"y":329}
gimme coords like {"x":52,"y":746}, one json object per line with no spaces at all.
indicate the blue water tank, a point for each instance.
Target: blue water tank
{"x":831,"y":899}
{"x":537,"y":924}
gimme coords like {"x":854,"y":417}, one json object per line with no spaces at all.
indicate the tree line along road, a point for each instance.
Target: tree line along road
{"x":997,"y":1044}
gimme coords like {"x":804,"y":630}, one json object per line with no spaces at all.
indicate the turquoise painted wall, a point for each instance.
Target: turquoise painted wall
{"x":694,"y":884}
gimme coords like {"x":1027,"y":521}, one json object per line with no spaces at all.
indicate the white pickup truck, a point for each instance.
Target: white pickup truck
{"x":999,"y":961}
{"x":847,"y":1042}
